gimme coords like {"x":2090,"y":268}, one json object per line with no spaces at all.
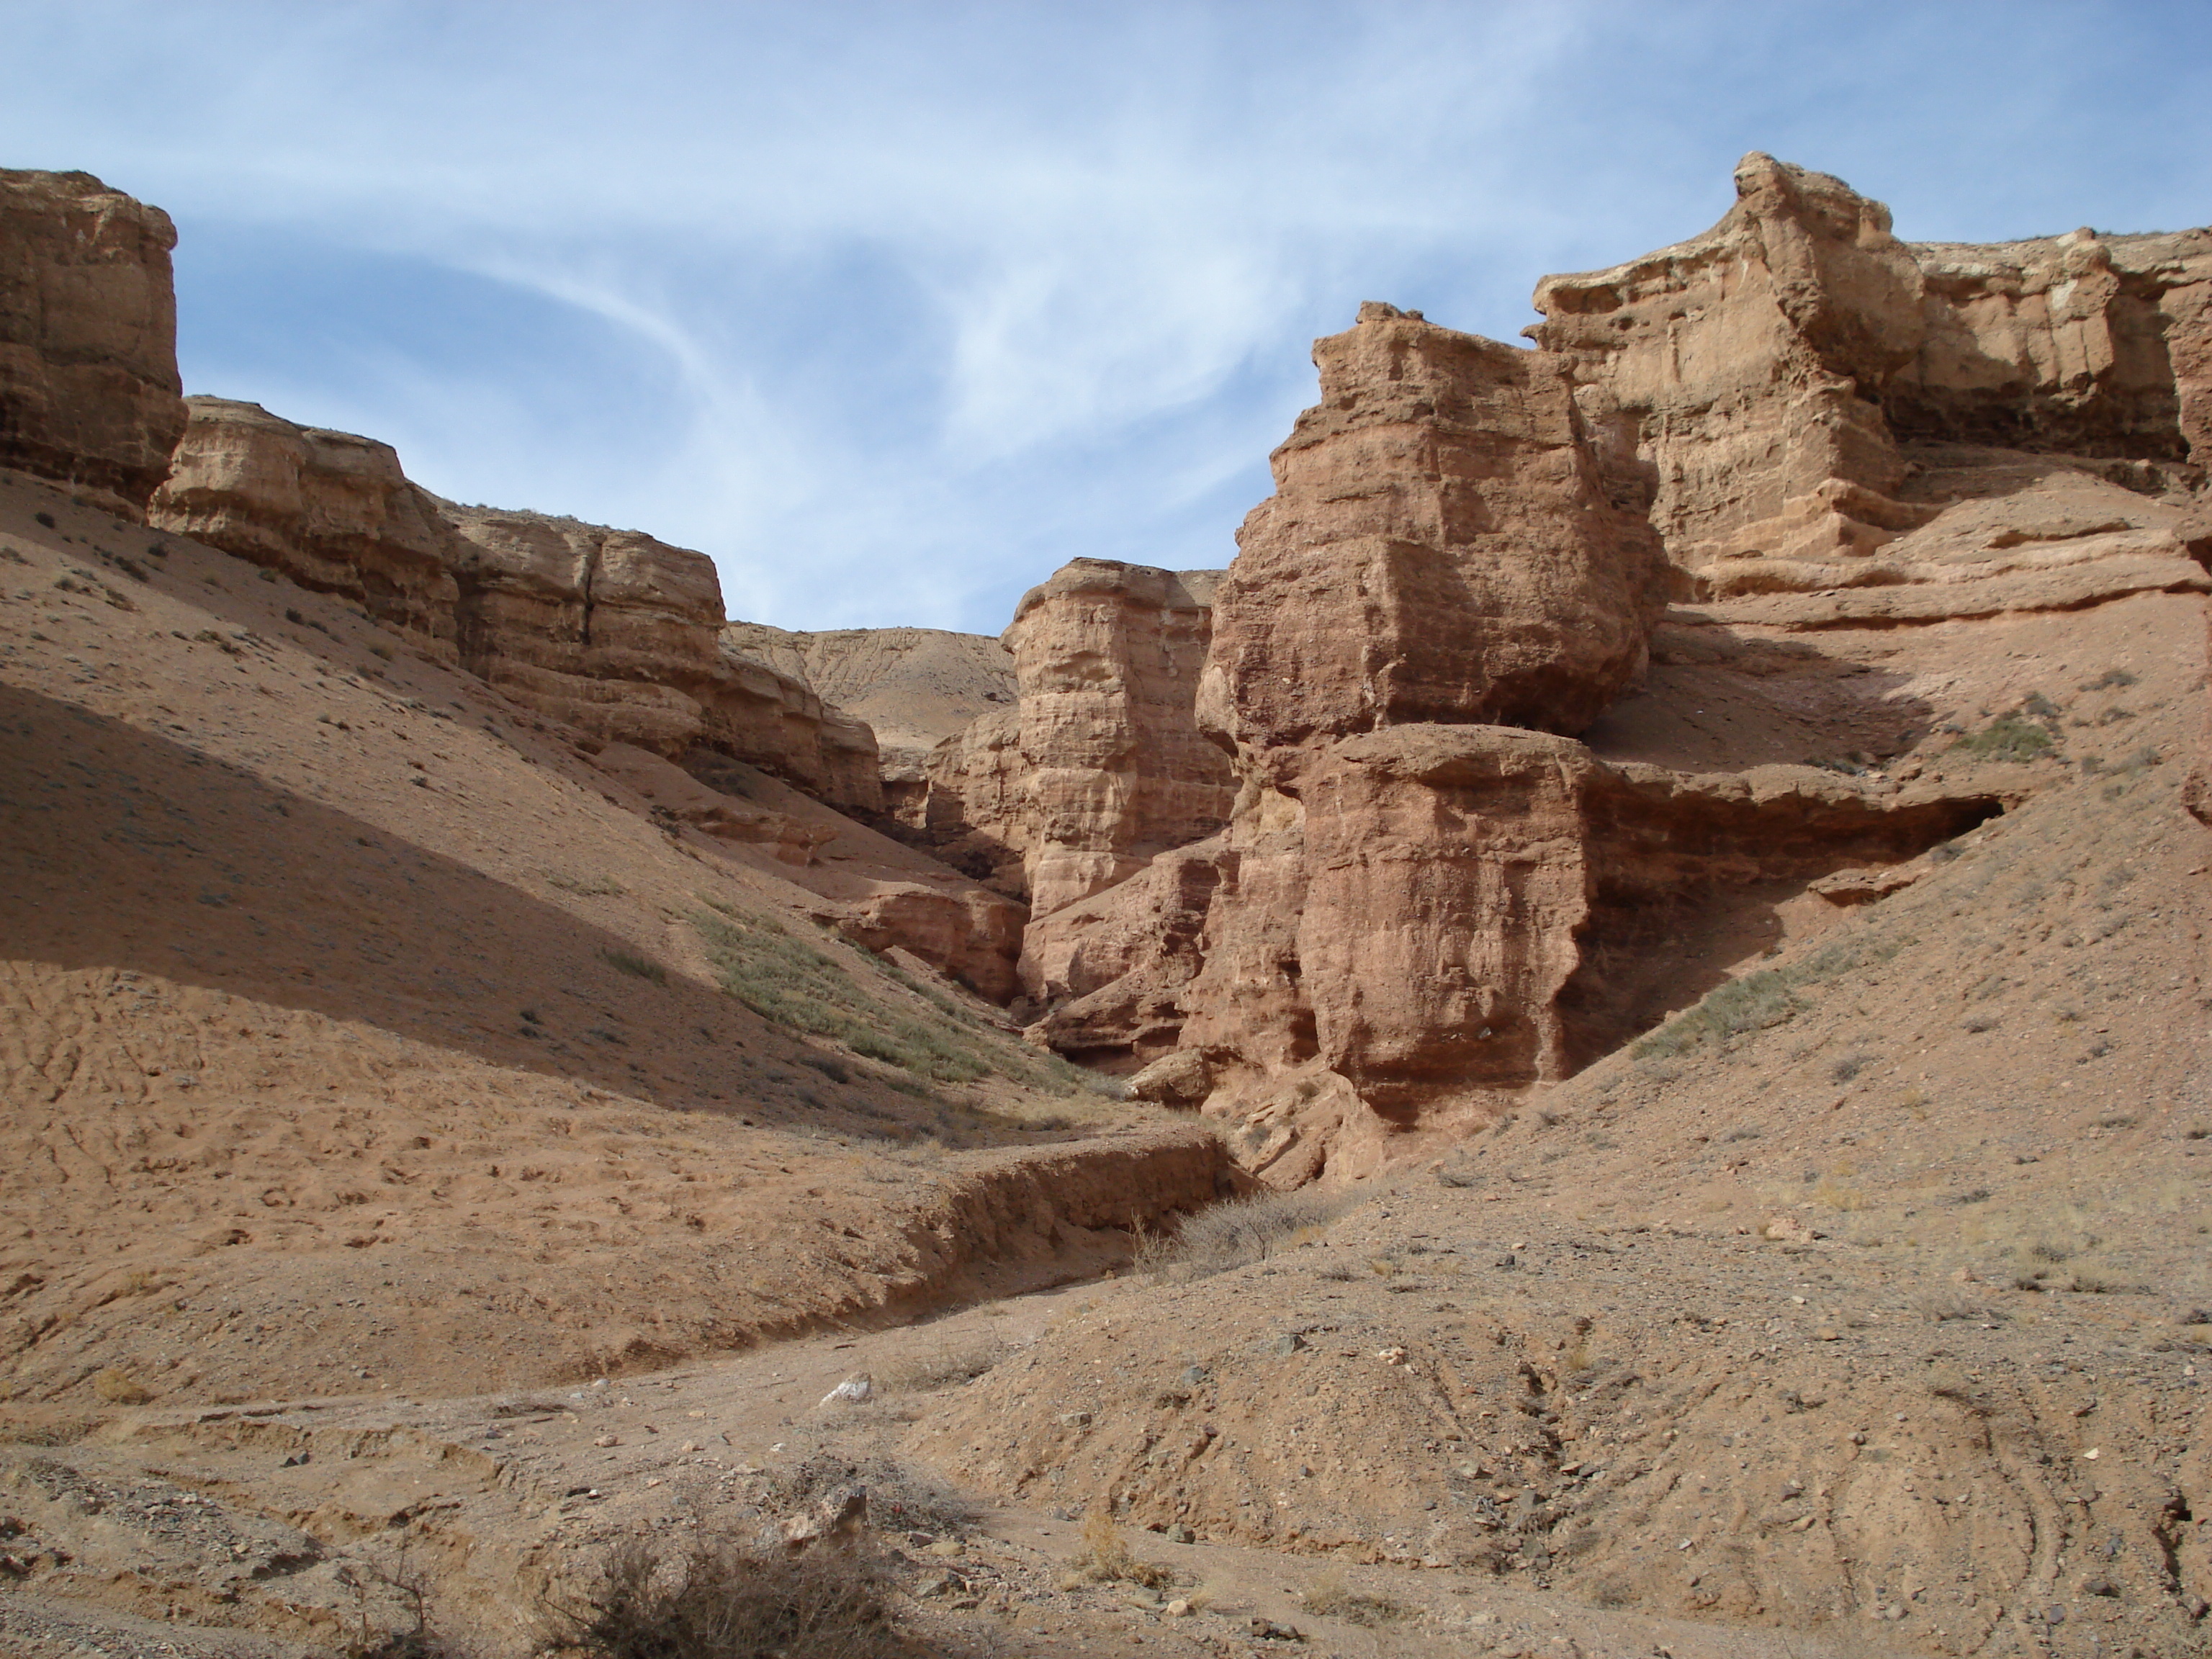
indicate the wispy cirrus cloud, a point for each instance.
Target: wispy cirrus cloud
{"x":893,"y":308}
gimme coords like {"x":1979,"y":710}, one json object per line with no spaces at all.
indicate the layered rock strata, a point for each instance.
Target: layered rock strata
{"x":612,"y":631}
{"x":1101,"y":766}
{"x":89,"y":389}
{"x":619,"y":634}
{"x":1439,"y":547}
{"x":332,"y":511}
{"x":1759,"y":388}
{"x":1430,"y":896}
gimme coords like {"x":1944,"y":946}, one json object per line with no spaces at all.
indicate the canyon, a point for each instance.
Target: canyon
{"x":1672,"y":858}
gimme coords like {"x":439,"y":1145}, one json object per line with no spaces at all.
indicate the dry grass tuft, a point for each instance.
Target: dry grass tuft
{"x":118,"y":1388}
{"x":1106,"y":1558}
{"x":1238,"y":1233}
{"x":716,"y":1602}
{"x":1331,"y":1597}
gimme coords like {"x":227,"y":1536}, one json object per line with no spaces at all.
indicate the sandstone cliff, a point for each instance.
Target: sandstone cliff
{"x":1438,"y":548}
{"x":1429,"y":897}
{"x":89,"y":388}
{"x":331,"y":510}
{"x":619,"y":634}
{"x":1099,"y":770}
{"x":1758,"y":386}
{"x":611,"y":631}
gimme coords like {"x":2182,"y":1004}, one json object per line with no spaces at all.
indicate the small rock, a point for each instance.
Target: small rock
{"x":1788,"y":1230}
{"x":1181,"y":1534}
{"x":608,"y":1440}
{"x":1075,"y":1420}
{"x":1391,"y":1356}
{"x":2100,"y":1585}
{"x":948,"y":1547}
{"x":1266,"y":1630}
{"x":838,"y":1518}
{"x":692,"y":1446}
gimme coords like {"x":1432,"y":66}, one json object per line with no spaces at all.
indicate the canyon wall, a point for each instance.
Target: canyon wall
{"x":1499,"y":807}
{"x":331,"y":510}
{"x":1757,"y":387}
{"x":611,"y":631}
{"x":89,"y":389}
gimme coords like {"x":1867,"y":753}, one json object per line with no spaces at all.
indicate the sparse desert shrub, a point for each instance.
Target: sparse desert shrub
{"x":901,"y":1498}
{"x":1330,"y":1597}
{"x":586,"y":885}
{"x":1753,"y":1003}
{"x":783,"y":978}
{"x":1238,"y":1233}
{"x":1107,"y":1557}
{"x":118,"y":1388}
{"x":630,"y":962}
{"x":829,"y":1066}
{"x":1942,"y":1305}
{"x":2008,"y":738}
{"x":1847,"y":1067}
{"x":926,"y":1373}
{"x":717,"y":1602}
{"x":2110,"y":679}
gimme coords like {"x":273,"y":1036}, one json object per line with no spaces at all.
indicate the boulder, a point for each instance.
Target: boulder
{"x":89,"y":389}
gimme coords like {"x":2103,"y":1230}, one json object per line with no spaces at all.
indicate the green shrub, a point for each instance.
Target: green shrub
{"x":2008,"y":738}
{"x":630,"y":962}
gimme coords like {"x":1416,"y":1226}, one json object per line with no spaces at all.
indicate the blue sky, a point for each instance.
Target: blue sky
{"x":894,"y":308}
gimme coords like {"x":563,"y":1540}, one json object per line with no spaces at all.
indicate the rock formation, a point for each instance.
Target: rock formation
{"x":1754,"y":386}
{"x":1438,"y":548}
{"x":89,"y":388}
{"x":915,"y":687}
{"x":608,"y":630}
{"x":1431,"y":897}
{"x":1102,"y":766}
{"x":331,"y":510}
{"x":619,"y":634}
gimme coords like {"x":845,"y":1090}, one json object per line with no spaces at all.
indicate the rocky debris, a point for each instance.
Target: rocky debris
{"x":331,"y":510}
{"x":89,"y":389}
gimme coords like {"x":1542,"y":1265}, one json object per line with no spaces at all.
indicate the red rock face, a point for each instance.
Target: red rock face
{"x":1759,"y":386}
{"x":1856,"y":452}
{"x":89,"y":388}
{"x":619,"y":634}
{"x":1438,"y":549}
{"x":332,"y":511}
{"x":1100,"y":767}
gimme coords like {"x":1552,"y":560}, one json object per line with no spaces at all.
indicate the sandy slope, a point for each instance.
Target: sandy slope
{"x":357,"y":1031}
